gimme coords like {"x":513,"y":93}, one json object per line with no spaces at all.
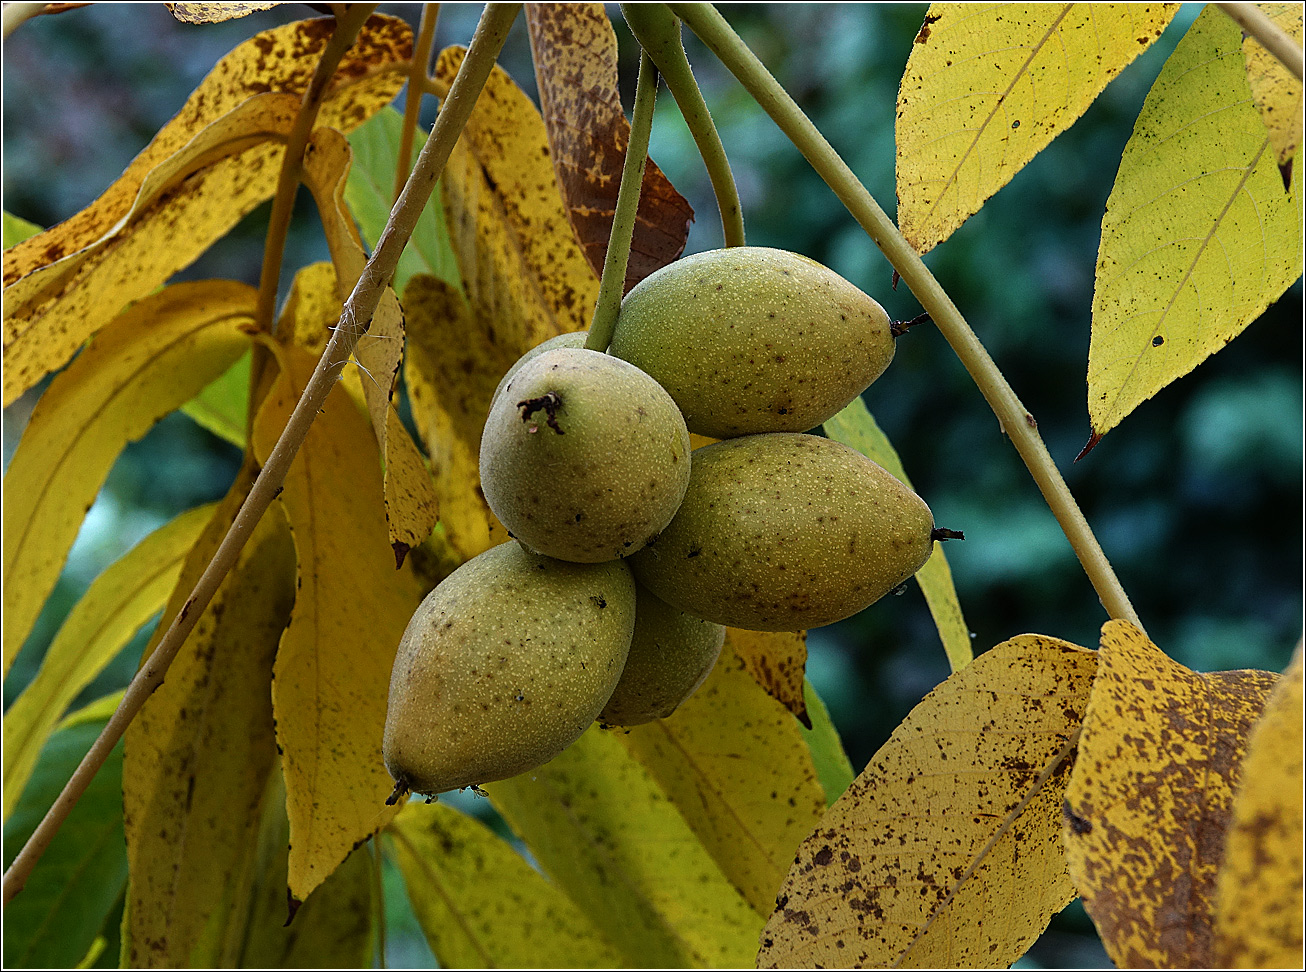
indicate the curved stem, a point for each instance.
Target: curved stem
{"x":1015,"y":419}
{"x":1268,"y":34}
{"x":613,"y":281}
{"x":416,"y":89}
{"x":17,"y":14}
{"x":491,"y":32}
{"x":658,"y":31}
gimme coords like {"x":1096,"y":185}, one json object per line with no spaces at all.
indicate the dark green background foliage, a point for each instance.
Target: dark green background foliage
{"x":1196,"y":498}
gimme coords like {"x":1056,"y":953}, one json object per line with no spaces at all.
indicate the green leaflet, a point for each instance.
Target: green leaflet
{"x":833,"y":768}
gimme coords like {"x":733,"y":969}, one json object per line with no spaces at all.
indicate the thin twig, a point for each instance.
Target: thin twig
{"x":491,"y":32}
{"x":1267,"y":33}
{"x":612,"y":283}
{"x":416,"y":89}
{"x":1015,"y":419}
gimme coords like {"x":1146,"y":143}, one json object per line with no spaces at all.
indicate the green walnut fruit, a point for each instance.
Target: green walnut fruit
{"x":785,"y":531}
{"x":503,"y":666}
{"x":750,"y":339}
{"x":671,"y":655}
{"x":583,"y":456}
{"x":572,"y":339}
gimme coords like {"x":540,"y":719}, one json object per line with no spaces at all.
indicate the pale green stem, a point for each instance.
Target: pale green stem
{"x":491,"y":32}
{"x":658,"y":31}
{"x":416,"y":89}
{"x":1268,"y":34}
{"x":613,"y":281}
{"x":1015,"y":419}
{"x":17,"y":14}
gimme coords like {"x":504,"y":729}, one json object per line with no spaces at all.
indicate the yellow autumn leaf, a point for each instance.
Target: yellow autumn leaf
{"x":946,"y":850}
{"x":1258,"y":913}
{"x":149,"y":361}
{"x":604,"y":831}
{"x":735,"y":764}
{"x":987,"y":87}
{"x":480,"y":905}
{"x":124,"y":597}
{"x":1198,"y":237}
{"x":209,"y":166}
{"x":333,"y":665}
{"x":1150,"y":796}
{"x":214,"y":13}
{"x":855,"y":426}
{"x":199,"y":753}
{"x":1275,"y":91}
{"x":777,"y":661}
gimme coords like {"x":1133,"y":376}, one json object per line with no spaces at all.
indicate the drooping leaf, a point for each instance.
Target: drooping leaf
{"x":149,"y":361}
{"x":1150,"y":797}
{"x":333,"y":664}
{"x":734,"y":763}
{"x":1258,"y":913}
{"x":946,"y":850}
{"x":988,"y":87}
{"x":856,"y":427}
{"x":1199,"y":236}
{"x":219,"y":157}
{"x":198,"y":757}
{"x":777,"y":661}
{"x":17,"y":229}
{"x":833,"y":767}
{"x":480,"y":904}
{"x":126,"y":595}
{"x":80,"y":877}
{"x":604,"y":831}
{"x":1275,"y":91}
{"x":575,"y":56}
{"x":214,"y":13}
{"x":370,"y":195}
{"x":223,"y":405}
{"x":334,"y":928}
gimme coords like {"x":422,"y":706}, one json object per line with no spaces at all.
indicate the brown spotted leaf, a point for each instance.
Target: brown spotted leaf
{"x":575,"y":52}
{"x":1259,"y":889}
{"x":946,"y":851}
{"x":777,"y":661}
{"x":215,"y":13}
{"x":1150,"y":796}
{"x":209,"y":166}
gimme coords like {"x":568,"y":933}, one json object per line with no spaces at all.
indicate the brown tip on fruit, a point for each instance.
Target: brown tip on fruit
{"x":939,"y":533}
{"x":548,"y":403}
{"x":899,"y":328}
{"x":401,"y":551}
{"x":1093,"y":440}
{"x":401,"y":790}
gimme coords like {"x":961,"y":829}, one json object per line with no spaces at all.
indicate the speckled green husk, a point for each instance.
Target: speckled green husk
{"x":751,"y":339}
{"x":503,"y":666}
{"x":572,"y":339}
{"x":671,"y":655}
{"x":785,"y":531}
{"x":591,"y":473}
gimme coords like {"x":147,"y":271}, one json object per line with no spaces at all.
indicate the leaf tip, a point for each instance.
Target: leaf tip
{"x":1093,"y":440}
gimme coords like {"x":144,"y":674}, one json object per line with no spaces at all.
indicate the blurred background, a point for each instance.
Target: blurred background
{"x":1196,"y":498}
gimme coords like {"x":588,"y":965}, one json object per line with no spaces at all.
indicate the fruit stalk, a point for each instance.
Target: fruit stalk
{"x":613,"y":282}
{"x":490,"y":34}
{"x":711,"y":28}
{"x":658,"y":31}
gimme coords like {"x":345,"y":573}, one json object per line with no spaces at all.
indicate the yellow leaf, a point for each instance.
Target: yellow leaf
{"x":481,"y":905}
{"x":333,"y":665}
{"x":199,"y":753}
{"x":735,"y":764}
{"x":1198,"y":237}
{"x":522,"y":270}
{"x":988,"y":87}
{"x":215,"y":161}
{"x":214,"y":13}
{"x":149,"y":361}
{"x":946,"y":851}
{"x":777,"y":661}
{"x":1150,"y":796}
{"x":856,"y":427}
{"x":1258,"y":914}
{"x":606,"y":833}
{"x":127,"y":594}
{"x":1276,"y":92}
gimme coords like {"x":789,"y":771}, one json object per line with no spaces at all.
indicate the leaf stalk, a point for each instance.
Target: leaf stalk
{"x":490,"y":35}
{"x":1268,"y":34}
{"x":416,"y":89}
{"x":1016,"y":421}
